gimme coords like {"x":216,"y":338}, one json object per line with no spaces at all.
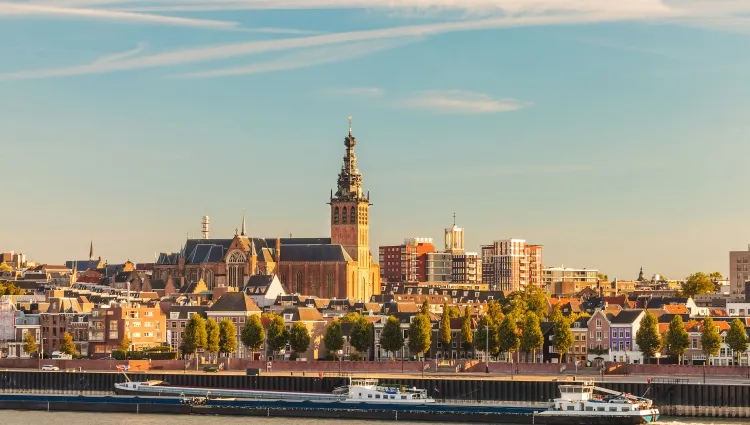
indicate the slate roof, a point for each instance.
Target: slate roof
{"x":168,"y":258}
{"x":82,"y":264}
{"x":234,"y":301}
{"x":304,"y":314}
{"x":262,"y":280}
{"x":314,"y":253}
{"x":186,"y":311}
{"x":626,"y":317}
{"x":271,"y":242}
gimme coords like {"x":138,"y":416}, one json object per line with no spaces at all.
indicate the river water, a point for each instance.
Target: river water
{"x":75,"y":418}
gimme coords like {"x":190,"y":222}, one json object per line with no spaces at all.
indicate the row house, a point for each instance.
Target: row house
{"x":404,"y":319}
{"x":311,"y":318}
{"x":623,"y":328}
{"x":579,"y":350}
{"x":24,"y":323}
{"x":177,"y":318}
{"x":725,"y":357}
{"x":455,"y":349}
{"x":598,"y":339}
{"x":237,"y":307}
{"x":145,"y":327}
{"x":65,"y":315}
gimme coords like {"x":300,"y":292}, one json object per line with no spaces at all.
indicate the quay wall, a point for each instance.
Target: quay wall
{"x":668,"y":395}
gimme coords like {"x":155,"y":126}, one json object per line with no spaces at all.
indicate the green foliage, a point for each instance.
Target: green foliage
{"x":536,"y":300}
{"x":495,"y":311}
{"x":647,"y":337}
{"x":195,"y":337}
{"x":555,"y":315}
{"x":562,"y":338}
{"x":4,"y":267}
{"x":453,"y":312}
{"x":532,"y":338}
{"x":391,"y":338}
{"x":467,"y":336}
{"x":699,"y":283}
{"x":227,"y":337}
{"x":66,"y":344}
{"x":420,"y":334}
{"x":602,"y":276}
{"x":334,"y":337}
{"x":360,"y":335}
{"x":676,"y":340}
{"x":425,"y":309}
{"x":350,"y":317}
{"x":737,"y":338}
{"x":7,"y":288}
{"x":213,"y":336}
{"x":29,"y":343}
{"x":508,"y":335}
{"x":253,"y":333}
{"x":445,"y":328}
{"x":299,"y":338}
{"x":119,"y":354}
{"x":514,"y":303}
{"x":487,"y":336}
{"x":277,"y":334}
{"x":125,"y":344}
{"x":710,"y":338}
{"x":146,"y":354}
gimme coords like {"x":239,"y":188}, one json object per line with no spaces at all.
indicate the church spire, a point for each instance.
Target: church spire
{"x":350,"y":180}
{"x":244,"y":227}
{"x":91,"y":251}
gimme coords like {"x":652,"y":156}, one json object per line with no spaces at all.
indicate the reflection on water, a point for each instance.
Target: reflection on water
{"x":74,"y":418}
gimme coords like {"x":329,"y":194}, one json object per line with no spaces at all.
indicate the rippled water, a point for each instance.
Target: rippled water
{"x":74,"y":418}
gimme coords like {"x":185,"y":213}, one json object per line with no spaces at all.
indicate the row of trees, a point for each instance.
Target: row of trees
{"x":676,"y":340}
{"x":67,"y":346}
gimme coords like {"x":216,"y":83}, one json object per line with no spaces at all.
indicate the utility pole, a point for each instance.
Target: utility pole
{"x":487,"y":349}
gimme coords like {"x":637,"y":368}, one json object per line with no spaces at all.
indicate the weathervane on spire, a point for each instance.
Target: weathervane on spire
{"x":350,"y":125}
{"x":454,"y":219}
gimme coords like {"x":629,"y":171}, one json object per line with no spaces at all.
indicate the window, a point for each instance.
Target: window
{"x":299,"y":287}
{"x":236,"y":265}
{"x":598,"y":335}
{"x":598,"y":323}
{"x":343,"y":215}
{"x":336,"y":215}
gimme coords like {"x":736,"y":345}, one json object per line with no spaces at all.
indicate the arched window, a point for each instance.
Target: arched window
{"x":353,"y":216}
{"x":343,"y":215}
{"x":283,"y":280}
{"x":314,"y":283}
{"x":298,"y":282}
{"x":336,"y":215}
{"x":236,"y":269}
{"x":209,"y":279}
{"x":329,"y":293}
{"x":363,"y":292}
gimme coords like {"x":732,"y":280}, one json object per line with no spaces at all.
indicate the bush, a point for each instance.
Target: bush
{"x":153,"y":355}
{"x":355,"y":357}
{"x":118,"y":355}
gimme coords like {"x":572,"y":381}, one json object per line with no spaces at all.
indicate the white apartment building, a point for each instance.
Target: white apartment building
{"x":511,"y":264}
{"x":577,"y":278}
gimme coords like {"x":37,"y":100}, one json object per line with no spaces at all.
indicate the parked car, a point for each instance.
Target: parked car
{"x":50,"y":367}
{"x":211,"y":368}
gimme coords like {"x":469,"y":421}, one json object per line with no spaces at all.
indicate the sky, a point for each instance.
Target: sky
{"x":612,"y":132}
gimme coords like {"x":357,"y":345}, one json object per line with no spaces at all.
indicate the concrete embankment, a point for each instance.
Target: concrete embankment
{"x":672,"y":397}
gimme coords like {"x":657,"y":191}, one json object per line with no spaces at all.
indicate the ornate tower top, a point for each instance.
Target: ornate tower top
{"x":350,"y":180}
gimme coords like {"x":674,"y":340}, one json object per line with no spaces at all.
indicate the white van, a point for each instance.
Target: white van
{"x":59,"y":355}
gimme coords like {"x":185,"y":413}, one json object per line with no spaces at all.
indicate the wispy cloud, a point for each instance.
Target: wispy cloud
{"x":122,"y":55}
{"x":357,"y":92}
{"x":305,"y":58}
{"x":32,"y":9}
{"x":211,"y":53}
{"x":459,"y":102}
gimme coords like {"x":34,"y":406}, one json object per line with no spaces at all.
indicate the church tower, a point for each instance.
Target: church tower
{"x":350,"y":208}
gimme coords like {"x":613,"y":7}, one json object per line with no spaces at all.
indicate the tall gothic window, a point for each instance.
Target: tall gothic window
{"x":299,"y":286}
{"x":329,"y":285}
{"x":353,"y":216}
{"x":236,"y":269}
{"x":209,"y":279}
{"x":336,"y":215}
{"x":343,"y":215}
{"x":314,"y":283}
{"x":283,"y":280}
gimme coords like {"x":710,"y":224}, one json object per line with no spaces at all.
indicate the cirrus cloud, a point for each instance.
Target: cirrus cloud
{"x":459,"y":102}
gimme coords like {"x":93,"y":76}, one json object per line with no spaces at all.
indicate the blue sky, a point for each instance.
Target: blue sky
{"x":614,"y":133}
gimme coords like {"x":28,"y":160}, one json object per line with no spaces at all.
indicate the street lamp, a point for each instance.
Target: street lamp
{"x":487,"y":349}
{"x":340,"y":353}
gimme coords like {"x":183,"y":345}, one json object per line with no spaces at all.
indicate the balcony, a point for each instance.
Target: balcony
{"x":96,"y":336}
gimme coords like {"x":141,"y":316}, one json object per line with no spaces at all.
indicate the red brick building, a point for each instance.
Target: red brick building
{"x":406,"y":262}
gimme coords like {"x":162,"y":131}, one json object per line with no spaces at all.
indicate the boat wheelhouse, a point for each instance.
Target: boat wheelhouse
{"x":370,"y":391}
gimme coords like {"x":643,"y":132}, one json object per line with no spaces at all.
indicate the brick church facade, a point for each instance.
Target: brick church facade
{"x":337,"y":267}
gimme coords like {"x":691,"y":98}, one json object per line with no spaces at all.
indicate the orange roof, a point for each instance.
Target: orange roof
{"x":719,"y":313}
{"x":675,"y":309}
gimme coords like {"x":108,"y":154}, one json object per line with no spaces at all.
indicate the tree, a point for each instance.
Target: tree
{"x":508,"y":334}
{"x":360,"y":335}
{"x":467,"y":335}
{"x":676,"y":340}
{"x":29,"y":343}
{"x":334,"y":337}
{"x":737,"y":338}
{"x":532,"y":338}
{"x":277,"y":334}
{"x":66,"y":345}
{"x":453,"y":312}
{"x":562,"y":338}
{"x":213,"y":336}
{"x":391,"y":338}
{"x":195,"y":337}
{"x":420,"y":334}
{"x":487,"y":335}
{"x":425,"y":309}
{"x":602,"y":276}
{"x":253,"y":335}
{"x":710,"y":338}
{"x":7,"y":288}
{"x":555,"y":314}
{"x":514,"y":303}
{"x":125,"y":344}
{"x":5,"y":268}
{"x":495,"y":311}
{"x":536,"y":300}
{"x":299,"y":338}
{"x":699,"y":283}
{"x":227,"y":337}
{"x":647,"y":337}
{"x":445,"y":329}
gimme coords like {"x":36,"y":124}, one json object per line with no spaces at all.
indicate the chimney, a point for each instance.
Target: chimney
{"x":277,"y":257}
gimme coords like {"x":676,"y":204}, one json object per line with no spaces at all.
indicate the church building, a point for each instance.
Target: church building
{"x":340,"y":266}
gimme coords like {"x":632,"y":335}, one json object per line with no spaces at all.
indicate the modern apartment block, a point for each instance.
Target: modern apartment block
{"x":466,"y":268}
{"x":406,"y":262}
{"x":561,"y":280}
{"x":144,"y":326}
{"x":439,"y":267}
{"x":739,"y":272}
{"x":511,"y":264}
